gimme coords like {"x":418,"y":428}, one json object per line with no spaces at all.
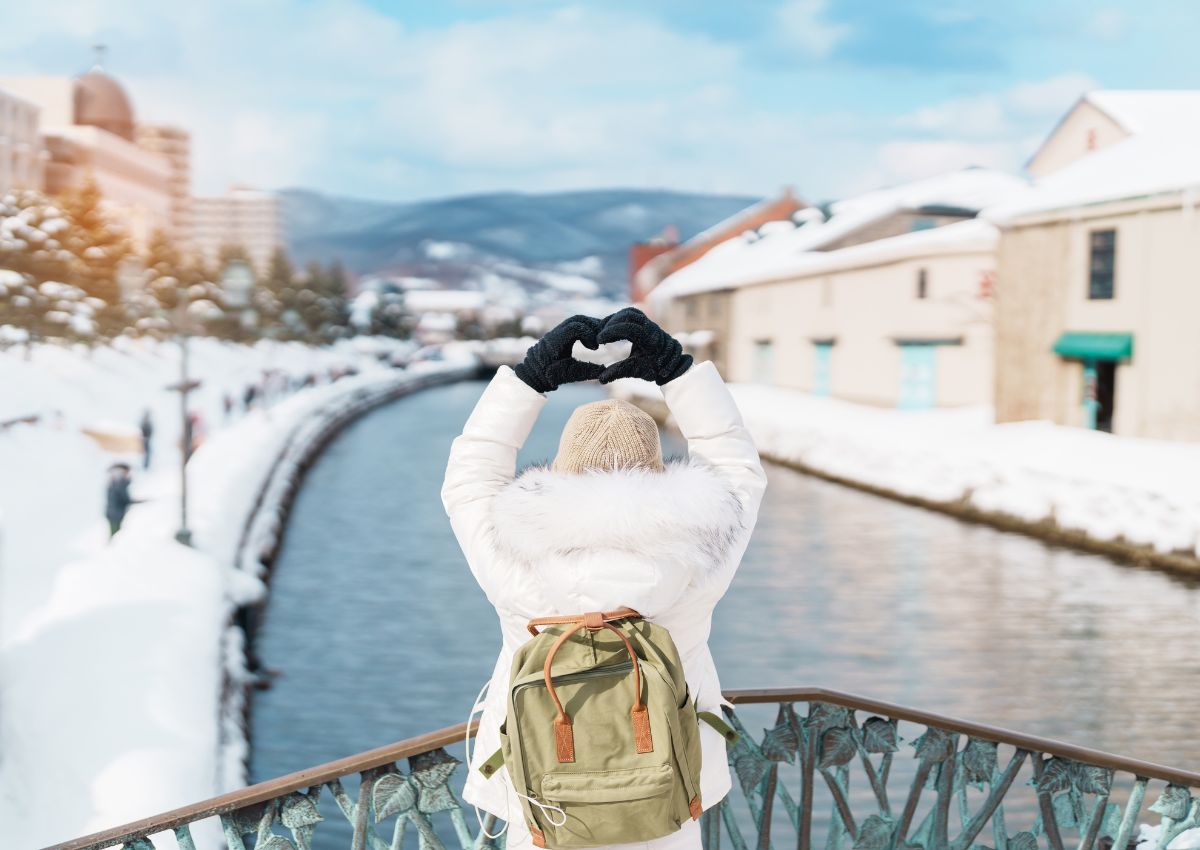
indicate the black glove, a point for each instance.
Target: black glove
{"x":656,"y":355}
{"x":548,"y":363}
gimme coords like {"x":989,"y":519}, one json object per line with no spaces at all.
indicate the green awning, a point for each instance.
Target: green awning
{"x":1094,"y":346}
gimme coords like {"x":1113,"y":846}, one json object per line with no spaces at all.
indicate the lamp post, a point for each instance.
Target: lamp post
{"x":184,"y":387}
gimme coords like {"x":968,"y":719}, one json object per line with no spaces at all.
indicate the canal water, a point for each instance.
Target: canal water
{"x":379,"y":632}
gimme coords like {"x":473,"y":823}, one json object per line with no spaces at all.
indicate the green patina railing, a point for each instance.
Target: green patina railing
{"x":964,"y":783}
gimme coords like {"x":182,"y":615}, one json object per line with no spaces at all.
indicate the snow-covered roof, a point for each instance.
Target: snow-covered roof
{"x":730,"y":221}
{"x":1158,"y":158}
{"x":1159,"y":112}
{"x":1138,"y":167}
{"x":777,"y":253}
{"x":960,"y":237}
{"x":657,"y":267}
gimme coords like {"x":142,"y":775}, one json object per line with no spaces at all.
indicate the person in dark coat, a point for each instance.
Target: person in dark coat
{"x":147,"y":428}
{"x":117,"y":499}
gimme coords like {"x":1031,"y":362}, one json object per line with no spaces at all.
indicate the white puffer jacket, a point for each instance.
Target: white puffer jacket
{"x":664,"y":543}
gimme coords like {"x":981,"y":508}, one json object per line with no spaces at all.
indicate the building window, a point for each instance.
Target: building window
{"x":1102,"y":268}
{"x":923,"y":223}
{"x":763,"y":367}
{"x":922,"y":284}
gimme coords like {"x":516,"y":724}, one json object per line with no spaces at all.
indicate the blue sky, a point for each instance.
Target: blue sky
{"x":402,"y":100}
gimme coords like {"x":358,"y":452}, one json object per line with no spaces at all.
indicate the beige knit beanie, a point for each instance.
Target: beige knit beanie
{"x":609,"y":435}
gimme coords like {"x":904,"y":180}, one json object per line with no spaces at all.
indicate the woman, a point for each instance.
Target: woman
{"x":607,"y":524}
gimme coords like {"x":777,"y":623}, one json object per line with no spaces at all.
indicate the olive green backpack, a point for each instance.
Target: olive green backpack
{"x":601,"y":739}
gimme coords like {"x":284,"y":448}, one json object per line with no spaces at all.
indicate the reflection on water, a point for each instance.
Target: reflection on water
{"x":381,"y":633}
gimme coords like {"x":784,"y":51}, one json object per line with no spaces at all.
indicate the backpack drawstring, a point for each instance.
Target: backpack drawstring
{"x":546,"y":808}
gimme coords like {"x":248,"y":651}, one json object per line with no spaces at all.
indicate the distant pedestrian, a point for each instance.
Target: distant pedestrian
{"x":147,"y":428}
{"x":193,"y":433}
{"x":227,"y":405}
{"x":248,"y":396}
{"x":117,"y":499}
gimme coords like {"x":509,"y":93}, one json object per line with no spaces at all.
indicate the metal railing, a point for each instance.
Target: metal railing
{"x":795,"y":780}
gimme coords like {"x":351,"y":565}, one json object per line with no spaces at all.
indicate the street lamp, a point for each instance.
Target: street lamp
{"x":184,"y":387}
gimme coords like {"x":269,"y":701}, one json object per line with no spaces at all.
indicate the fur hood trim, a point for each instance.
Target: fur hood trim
{"x":686,"y":515}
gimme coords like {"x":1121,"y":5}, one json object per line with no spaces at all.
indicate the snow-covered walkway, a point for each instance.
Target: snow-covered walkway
{"x":1111,"y":489}
{"x":114,"y":655}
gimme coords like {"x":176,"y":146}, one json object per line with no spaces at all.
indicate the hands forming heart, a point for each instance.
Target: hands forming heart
{"x":654,"y":356}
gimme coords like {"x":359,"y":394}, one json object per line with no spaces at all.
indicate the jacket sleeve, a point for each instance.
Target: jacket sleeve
{"x":708,"y":418}
{"x":483,"y":460}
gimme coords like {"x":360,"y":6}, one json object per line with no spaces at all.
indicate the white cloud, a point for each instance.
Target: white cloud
{"x":912,"y":160}
{"x":803,"y":26}
{"x":1048,"y":98}
{"x":335,"y":95}
{"x":1002,"y":114}
{"x":996,"y":130}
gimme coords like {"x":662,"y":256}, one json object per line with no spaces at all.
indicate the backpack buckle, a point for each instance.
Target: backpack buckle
{"x":593,"y":621}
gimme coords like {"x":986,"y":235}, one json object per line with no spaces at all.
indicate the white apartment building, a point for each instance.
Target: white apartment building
{"x":21,"y":157}
{"x":247,"y":217}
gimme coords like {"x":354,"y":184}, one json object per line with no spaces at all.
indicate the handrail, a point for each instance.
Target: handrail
{"x":1032,"y":743}
{"x":386,"y":755}
{"x":277,"y":787}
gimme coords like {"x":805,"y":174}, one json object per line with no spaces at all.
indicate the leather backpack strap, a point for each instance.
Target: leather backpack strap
{"x":608,"y":617}
{"x":564,"y":733}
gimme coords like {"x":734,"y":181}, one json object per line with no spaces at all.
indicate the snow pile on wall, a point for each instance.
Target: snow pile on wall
{"x":115,"y":664}
{"x":1141,"y":492}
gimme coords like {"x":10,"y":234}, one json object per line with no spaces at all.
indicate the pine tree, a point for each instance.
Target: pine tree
{"x":96,"y":242}
{"x":388,"y":317}
{"x":276,"y":298}
{"x":36,"y":296}
{"x":337,"y":301}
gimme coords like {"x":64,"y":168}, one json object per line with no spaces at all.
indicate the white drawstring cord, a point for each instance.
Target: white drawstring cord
{"x":477,"y":708}
{"x":546,"y":808}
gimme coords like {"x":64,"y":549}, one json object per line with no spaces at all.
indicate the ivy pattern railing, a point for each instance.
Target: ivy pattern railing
{"x":964,"y":785}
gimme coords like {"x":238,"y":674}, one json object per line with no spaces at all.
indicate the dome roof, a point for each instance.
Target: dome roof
{"x":101,"y":102}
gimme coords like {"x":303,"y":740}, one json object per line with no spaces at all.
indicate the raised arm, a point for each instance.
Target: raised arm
{"x":483,"y":459}
{"x":709,"y":420}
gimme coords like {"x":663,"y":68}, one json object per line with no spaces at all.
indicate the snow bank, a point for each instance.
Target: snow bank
{"x":118,"y":669}
{"x":1139,"y":492}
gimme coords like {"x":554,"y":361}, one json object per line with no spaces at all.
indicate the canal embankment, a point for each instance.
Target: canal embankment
{"x":1131,"y":499}
{"x":147,"y":631}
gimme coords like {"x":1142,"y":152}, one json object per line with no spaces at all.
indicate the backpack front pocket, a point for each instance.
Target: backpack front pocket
{"x":608,"y":786}
{"x":612,"y":806}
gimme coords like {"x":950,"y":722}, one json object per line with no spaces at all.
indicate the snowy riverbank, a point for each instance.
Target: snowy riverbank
{"x":116,"y":656}
{"x":1137,"y":497}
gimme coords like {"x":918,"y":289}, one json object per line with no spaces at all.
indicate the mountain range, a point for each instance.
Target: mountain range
{"x":552,"y":241}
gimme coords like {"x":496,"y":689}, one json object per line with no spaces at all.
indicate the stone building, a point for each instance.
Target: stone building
{"x":1097,"y":273}
{"x":883,"y":299}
